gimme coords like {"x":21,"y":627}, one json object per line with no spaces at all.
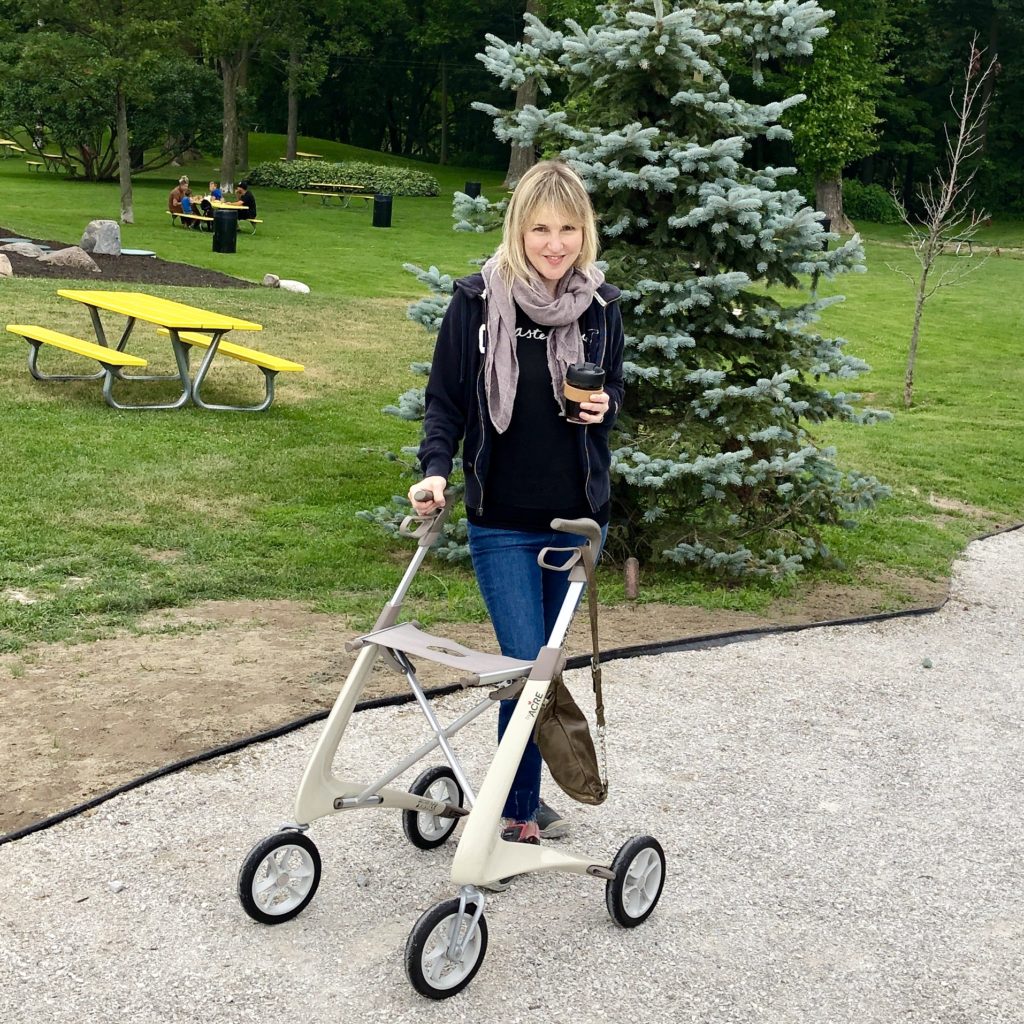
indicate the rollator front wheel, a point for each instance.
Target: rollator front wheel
{"x":633,"y":893}
{"x":279,"y":877}
{"x":432,"y":971}
{"x":428,"y":831}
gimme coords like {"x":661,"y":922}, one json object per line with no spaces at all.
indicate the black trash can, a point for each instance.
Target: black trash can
{"x":826,"y":225}
{"x":472,"y":189}
{"x":225,"y":230}
{"x":382,"y":210}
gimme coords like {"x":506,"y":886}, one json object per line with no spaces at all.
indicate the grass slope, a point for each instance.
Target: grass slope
{"x":107,"y":514}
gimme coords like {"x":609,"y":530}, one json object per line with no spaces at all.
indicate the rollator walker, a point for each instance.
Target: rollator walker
{"x":446,"y":946}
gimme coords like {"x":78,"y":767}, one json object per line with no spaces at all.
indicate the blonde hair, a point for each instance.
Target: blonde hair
{"x":554,"y":184}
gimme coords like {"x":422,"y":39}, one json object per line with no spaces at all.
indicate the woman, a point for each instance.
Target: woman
{"x":495,"y":384}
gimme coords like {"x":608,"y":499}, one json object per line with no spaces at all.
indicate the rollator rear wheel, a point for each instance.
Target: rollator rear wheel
{"x":279,"y":877}
{"x":427,"y":964}
{"x":633,"y":893}
{"x":428,"y":831}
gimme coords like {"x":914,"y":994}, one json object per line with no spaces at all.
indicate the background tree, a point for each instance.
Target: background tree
{"x":715,"y":465}
{"x":233,"y":31}
{"x":947,"y":197}
{"x":58,"y":83}
{"x":116,"y":42}
{"x":835,"y":125}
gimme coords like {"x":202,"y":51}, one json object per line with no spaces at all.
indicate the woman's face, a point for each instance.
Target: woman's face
{"x":552,"y":243}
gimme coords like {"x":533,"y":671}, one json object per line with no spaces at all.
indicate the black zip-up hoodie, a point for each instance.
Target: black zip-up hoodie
{"x":456,"y":403}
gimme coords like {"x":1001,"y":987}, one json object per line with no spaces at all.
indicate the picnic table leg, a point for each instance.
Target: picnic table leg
{"x":200,"y":377}
{"x":181,"y":358}
{"x":33,"y":355}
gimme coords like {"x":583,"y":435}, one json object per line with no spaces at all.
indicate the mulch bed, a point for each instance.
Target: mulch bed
{"x":134,"y":269}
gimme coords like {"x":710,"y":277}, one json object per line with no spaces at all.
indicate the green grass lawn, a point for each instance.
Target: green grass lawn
{"x":107,"y":514}
{"x":335,"y":251}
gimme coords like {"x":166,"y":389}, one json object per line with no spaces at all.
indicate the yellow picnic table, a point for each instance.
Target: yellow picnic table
{"x":8,"y":147}
{"x":175,"y":317}
{"x":57,"y":161}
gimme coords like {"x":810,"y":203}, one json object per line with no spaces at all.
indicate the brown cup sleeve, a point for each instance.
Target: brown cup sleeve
{"x":578,"y":394}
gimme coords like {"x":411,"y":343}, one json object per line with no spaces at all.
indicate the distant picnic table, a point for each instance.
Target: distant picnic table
{"x":57,"y":162}
{"x":343,"y":192}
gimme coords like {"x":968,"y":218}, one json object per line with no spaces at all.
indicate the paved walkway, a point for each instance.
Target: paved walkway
{"x":841,"y":809}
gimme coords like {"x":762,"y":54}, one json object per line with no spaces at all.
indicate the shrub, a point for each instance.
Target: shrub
{"x":295,"y":174}
{"x":869,"y":202}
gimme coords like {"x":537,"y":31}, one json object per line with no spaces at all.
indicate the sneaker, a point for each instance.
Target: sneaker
{"x":521,"y":832}
{"x":551,"y":824}
{"x":514,"y":832}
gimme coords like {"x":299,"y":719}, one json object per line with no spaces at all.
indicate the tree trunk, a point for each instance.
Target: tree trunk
{"x":293,"y":103}
{"x":444,"y":114}
{"x":522,"y":158}
{"x":241,"y":116}
{"x":229,"y":74}
{"x":828,"y":196}
{"x":124,"y":162}
{"x":908,"y":379}
{"x":990,"y":82}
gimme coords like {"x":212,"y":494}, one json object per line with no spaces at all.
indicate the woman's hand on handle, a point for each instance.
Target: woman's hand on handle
{"x":434,"y":485}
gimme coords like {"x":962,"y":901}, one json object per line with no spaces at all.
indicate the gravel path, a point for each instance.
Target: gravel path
{"x":841,"y":809}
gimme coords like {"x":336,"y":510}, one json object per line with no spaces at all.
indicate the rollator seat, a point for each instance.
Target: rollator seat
{"x":478,"y":668}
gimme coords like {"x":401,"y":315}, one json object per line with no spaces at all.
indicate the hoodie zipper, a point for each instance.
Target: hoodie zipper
{"x":483,"y":424}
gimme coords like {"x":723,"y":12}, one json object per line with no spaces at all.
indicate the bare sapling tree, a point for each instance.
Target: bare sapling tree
{"x":947,"y":198}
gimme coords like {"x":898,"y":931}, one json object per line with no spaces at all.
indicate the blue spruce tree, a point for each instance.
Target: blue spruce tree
{"x":714,"y":464}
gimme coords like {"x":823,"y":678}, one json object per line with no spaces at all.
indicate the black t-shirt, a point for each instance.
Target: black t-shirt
{"x":536,"y":470}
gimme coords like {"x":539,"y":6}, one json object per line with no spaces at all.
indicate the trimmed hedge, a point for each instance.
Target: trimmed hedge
{"x":295,"y":174}
{"x":869,"y":202}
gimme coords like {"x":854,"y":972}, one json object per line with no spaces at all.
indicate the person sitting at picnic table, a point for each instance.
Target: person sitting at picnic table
{"x":191,"y":205}
{"x":174,"y":199}
{"x":215,"y":191}
{"x":245,"y":196}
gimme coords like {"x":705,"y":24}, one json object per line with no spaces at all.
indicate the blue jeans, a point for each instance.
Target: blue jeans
{"x":523,"y":601}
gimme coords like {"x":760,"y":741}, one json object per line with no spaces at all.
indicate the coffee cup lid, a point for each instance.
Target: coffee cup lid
{"x":585,"y":375}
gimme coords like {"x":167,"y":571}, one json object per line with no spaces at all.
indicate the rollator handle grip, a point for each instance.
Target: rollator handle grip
{"x":586,"y":553}
{"x":449,"y":495}
{"x":587,"y":527}
{"x":427,"y":527}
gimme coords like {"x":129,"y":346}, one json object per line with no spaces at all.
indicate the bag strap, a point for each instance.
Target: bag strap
{"x":595,"y":669}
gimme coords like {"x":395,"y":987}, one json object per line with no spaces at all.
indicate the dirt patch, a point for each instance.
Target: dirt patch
{"x":143,"y":270}
{"x":80,"y":720}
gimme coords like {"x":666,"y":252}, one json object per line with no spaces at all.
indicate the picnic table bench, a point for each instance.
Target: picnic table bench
{"x":344,"y":193}
{"x":111,"y":360}
{"x":187,"y":216}
{"x":34,"y":165}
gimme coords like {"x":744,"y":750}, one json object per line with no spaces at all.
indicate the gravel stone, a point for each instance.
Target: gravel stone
{"x":842,"y":831}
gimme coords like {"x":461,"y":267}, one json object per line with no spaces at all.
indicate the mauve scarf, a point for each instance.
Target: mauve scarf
{"x":573,"y":296}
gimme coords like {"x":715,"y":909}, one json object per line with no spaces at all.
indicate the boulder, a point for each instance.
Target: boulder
{"x":72,"y":256}
{"x":294,"y":286}
{"x":103,"y":237}
{"x":271,"y":280}
{"x":23,"y":249}
{"x":5,"y":266}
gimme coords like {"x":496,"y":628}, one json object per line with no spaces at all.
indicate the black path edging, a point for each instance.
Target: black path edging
{"x":697,"y":643}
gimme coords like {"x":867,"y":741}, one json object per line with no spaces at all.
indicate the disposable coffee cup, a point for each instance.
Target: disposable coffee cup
{"x":581,"y":381}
